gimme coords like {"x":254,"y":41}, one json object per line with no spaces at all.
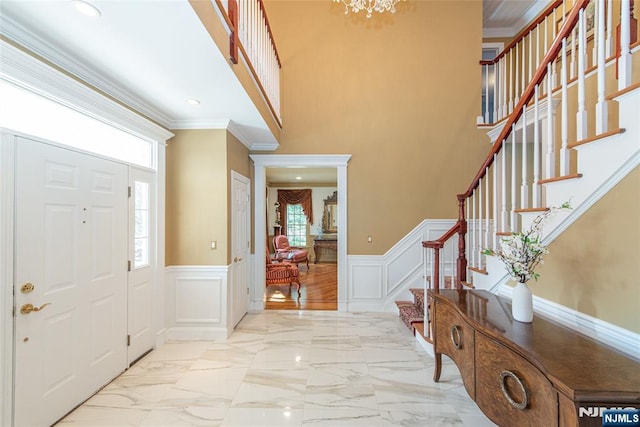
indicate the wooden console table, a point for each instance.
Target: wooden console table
{"x":528,"y":374}
{"x":324,"y":242}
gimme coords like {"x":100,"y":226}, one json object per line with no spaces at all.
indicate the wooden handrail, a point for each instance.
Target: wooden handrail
{"x":439,"y":243}
{"x":540,"y":73}
{"x":522,"y":34}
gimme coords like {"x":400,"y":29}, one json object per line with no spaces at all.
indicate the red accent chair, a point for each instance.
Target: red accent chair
{"x":287,"y":253}
{"x":280,"y":274}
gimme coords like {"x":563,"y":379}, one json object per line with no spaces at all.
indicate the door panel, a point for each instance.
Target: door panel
{"x":71,"y":244}
{"x":141,"y":240}
{"x":240,"y":245}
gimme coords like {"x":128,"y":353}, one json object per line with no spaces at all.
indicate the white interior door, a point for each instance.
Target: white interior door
{"x":142,"y":260}
{"x":240,"y":245}
{"x":71,"y":253}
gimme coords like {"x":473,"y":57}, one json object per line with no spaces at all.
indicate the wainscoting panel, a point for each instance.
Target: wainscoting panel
{"x":376,"y":281}
{"x":194,"y":297}
{"x":367,"y":281}
{"x":197,"y":303}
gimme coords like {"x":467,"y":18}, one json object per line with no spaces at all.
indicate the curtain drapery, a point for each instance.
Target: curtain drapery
{"x":294,"y":197}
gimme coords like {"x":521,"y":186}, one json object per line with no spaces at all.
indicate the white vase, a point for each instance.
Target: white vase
{"x":522,"y":303}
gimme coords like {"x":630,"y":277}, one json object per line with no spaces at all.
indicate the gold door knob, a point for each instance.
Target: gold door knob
{"x":28,"y":308}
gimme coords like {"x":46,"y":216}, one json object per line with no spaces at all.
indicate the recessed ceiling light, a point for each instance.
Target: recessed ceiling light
{"x":298,"y":178}
{"x":86,"y":8}
{"x":193,"y":101}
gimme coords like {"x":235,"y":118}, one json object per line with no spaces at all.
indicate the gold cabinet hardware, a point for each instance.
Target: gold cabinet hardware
{"x":236,"y":259}
{"x":27,"y":287}
{"x":28,"y":308}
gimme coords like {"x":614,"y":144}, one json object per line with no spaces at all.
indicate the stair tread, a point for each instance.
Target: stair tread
{"x":478,"y":270}
{"x":403,"y":303}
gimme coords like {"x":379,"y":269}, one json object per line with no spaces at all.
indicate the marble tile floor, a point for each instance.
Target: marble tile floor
{"x":288,"y":368}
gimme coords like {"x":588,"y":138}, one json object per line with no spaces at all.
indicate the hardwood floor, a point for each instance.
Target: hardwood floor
{"x":319,"y":290}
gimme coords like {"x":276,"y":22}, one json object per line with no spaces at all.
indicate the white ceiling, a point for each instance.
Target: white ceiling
{"x":154,"y":55}
{"x":505,"y":18}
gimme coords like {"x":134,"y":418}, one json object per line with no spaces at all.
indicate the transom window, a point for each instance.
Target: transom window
{"x":296,"y":225}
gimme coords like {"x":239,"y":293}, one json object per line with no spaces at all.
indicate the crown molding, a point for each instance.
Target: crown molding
{"x":69,"y":64}
{"x":28,"y":72}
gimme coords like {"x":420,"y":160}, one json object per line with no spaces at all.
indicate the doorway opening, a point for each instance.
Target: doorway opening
{"x":305,"y":224}
{"x":264,"y":215}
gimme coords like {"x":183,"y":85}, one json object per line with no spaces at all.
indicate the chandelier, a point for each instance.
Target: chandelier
{"x":368,"y":5}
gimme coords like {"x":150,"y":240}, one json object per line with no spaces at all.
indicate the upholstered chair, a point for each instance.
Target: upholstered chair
{"x":282,"y":273}
{"x":287,"y":253}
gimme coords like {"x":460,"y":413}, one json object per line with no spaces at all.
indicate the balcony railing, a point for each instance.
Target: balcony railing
{"x":252,"y":38}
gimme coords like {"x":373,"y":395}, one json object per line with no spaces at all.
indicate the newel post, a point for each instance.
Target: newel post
{"x":233,"y":37}
{"x":462,"y":236}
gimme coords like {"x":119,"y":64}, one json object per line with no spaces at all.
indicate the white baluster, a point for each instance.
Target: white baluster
{"x":474,"y":231}
{"x":535,"y":187}
{"x":547,"y":87}
{"x":537,"y":47}
{"x":530,"y":58}
{"x":602,"y":112}
{"x":486,"y":94}
{"x":468,"y":252}
{"x":487,"y":226}
{"x":550,"y":164}
{"x":516,"y":77}
{"x":504,"y":87}
{"x":513,"y":177}
{"x":524,"y":186}
{"x":523,"y":72}
{"x":500,"y":83}
{"x":495,"y":85}
{"x":480,"y":224}
{"x":596,"y":42}
{"x":495,"y":202}
{"x":572,"y":63}
{"x":610,"y":39}
{"x":581,"y":115}
{"x":624,"y":62}
{"x":510,"y":106}
{"x":504,"y":218}
{"x":564,"y":151}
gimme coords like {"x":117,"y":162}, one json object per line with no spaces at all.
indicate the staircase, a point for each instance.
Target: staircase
{"x":537,"y":160}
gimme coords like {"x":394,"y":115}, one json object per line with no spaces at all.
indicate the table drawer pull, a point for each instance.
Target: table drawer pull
{"x":525,"y":397}
{"x":455,"y":337}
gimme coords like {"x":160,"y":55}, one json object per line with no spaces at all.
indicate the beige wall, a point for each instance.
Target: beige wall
{"x":237,"y":160}
{"x":592,"y":266}
{"x":197,"y":201}
{"x":398,"y":92}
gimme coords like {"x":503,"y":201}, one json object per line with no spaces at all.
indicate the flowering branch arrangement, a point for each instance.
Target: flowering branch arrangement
{"x":522,"y":251}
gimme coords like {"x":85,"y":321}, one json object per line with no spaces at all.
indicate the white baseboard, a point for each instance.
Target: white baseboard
{"x":196,"y":333}
{"x":161,"y":337}
{"x":607,"y":333}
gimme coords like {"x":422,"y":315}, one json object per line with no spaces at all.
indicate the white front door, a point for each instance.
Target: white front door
{"x":142,"y":259}
{"x":71,"y":253}
{"x":240,"y":245}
